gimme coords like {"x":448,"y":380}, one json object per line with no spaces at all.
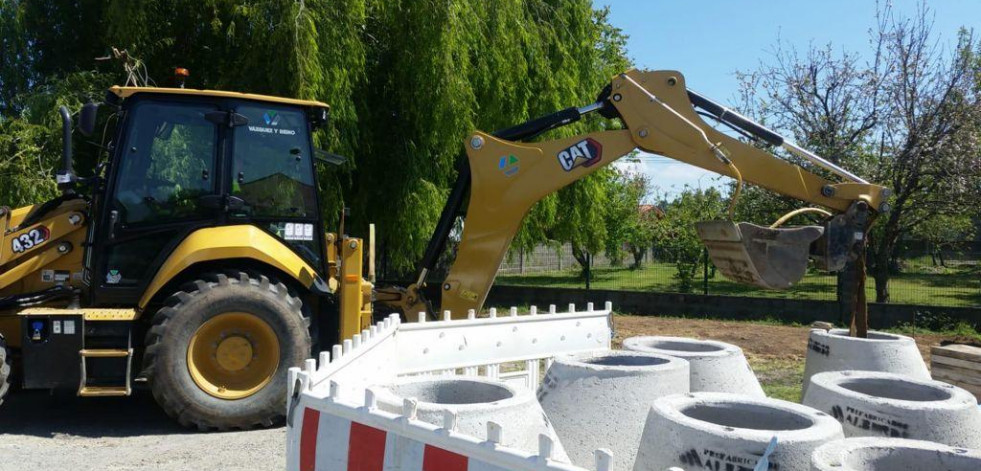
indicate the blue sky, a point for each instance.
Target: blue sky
{"x":709,"y":41}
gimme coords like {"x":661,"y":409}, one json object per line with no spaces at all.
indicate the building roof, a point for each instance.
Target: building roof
{"x":646,"y":208}
{"x":126,"y":92}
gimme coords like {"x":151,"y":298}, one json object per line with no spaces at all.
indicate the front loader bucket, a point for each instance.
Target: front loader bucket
{"x":756,"y":255}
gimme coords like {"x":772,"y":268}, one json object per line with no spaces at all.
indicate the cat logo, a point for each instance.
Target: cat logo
{"x":585,"y":153}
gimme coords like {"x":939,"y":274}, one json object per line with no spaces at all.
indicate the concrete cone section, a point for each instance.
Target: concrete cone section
{"x":871,"y":404}
{"x":600,"y":400}
{"x":475,"y":401}
{"x":720,"y":431}
{"x":715,"y":366}
{"x":893,"y":454}
{"x":834,"y":350}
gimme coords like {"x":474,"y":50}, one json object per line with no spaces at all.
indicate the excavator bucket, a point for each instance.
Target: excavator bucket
{"x":757,"y":255}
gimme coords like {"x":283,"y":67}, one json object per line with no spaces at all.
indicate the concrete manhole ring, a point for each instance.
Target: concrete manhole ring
{"x":601,"y":400}
{"x":715,"y":366}
{"x":730,"y":431}
{"x":873,"y":404}
{"x":475,"y":401}
{"x":892,"y":454}
{"x":835,"y":350}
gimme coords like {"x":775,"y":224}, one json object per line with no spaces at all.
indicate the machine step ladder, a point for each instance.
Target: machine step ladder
{"x":108,"y":348}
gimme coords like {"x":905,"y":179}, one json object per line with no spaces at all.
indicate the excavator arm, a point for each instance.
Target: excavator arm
{"x":504,"y":177}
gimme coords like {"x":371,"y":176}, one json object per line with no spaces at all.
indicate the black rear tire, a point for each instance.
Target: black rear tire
{"x":4,"y":369}
{"x":168,"y":340}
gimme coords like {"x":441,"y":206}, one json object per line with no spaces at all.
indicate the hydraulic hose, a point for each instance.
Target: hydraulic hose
{"x":786,"y":217}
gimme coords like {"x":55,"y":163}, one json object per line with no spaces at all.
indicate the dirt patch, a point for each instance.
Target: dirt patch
{"x":755,"y":339}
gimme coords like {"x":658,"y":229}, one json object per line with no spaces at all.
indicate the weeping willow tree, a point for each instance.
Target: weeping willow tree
{"x":407,"y":80}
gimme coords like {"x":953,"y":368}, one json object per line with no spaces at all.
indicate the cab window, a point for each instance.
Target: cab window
{"x":167,"y":164}
{"x":272,"y":170}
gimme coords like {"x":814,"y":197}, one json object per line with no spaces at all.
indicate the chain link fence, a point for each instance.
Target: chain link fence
{"x":926,"y":274}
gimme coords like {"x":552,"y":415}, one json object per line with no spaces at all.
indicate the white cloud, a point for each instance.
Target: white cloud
{"x":669,"y":177}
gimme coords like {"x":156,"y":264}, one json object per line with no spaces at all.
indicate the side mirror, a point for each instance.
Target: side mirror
{"x":86,"y":119}
{"x":325,"y":157}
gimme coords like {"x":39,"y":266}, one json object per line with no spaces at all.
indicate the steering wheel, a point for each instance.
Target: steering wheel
{"x":149,"y":199}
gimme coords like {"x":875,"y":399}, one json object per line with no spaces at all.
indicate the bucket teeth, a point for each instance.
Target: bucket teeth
{"x":756,"y":255}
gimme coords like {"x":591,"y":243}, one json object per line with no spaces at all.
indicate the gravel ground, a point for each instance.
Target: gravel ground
{"x":41,"y":432}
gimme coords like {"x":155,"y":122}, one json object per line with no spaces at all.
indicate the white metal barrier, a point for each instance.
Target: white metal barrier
{"x":333,"y":423}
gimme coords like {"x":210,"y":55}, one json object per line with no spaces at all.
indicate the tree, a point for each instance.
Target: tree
{"x":581,"y":68}
{"x":640,"y":238}
{"x":406,"y":81}
{"x":30,"y":143}
{"x":944,"y":233}
{"x":907,"y":119}
{"x":676,"y":232}
{"x":629,"y":223}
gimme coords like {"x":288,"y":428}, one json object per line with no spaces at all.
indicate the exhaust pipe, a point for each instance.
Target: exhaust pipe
{"x":66,"y":176}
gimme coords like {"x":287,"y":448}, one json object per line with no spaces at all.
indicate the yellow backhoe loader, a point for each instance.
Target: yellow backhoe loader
{"x":503,"y":177}
{"x":195,"y":263}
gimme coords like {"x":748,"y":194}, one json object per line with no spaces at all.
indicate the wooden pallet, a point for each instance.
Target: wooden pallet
{"x":959,"y":365}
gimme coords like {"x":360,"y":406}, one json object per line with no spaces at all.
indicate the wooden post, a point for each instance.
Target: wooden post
{"x":860,"y":313}
{"x":853,"y":280}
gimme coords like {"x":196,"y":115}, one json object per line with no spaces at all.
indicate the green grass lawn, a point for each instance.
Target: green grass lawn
{"x":933,"y":286}
{"x":781,"y":378}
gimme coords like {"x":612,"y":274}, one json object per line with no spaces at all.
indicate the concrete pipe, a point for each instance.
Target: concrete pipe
{"x":892,"y":454}
{"x":475,"y":401}
{"x":600,"y":400}
{"x":715,"y":366}
{"x":871,"y":404}
{"x":834,"y":350}
{"x":731,"y":431}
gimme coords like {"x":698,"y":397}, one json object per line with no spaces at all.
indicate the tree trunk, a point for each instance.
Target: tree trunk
{"x":582,"y":258}
{"x":884,"y":252}
{"x":881,"y":276}
{"x":638,"y":257}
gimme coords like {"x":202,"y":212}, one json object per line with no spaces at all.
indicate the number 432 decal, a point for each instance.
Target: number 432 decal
{"x":30,"y":239}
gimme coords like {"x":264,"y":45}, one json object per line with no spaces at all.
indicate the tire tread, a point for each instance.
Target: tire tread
{"x":158,"y":331}
{"x":5,"y":369}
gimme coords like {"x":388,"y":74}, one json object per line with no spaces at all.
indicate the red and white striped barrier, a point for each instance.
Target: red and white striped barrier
{"x":330,"y":428}
{"x":344,"y":437}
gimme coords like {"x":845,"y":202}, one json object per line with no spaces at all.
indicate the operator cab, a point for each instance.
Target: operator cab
{"x":189,"y":159}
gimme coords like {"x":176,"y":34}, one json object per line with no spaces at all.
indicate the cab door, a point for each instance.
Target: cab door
{"x":162,"y":187}
{"x":272,"y":177}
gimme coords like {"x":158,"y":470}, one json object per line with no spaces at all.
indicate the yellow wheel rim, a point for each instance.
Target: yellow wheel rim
{"x":233,"y":355}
